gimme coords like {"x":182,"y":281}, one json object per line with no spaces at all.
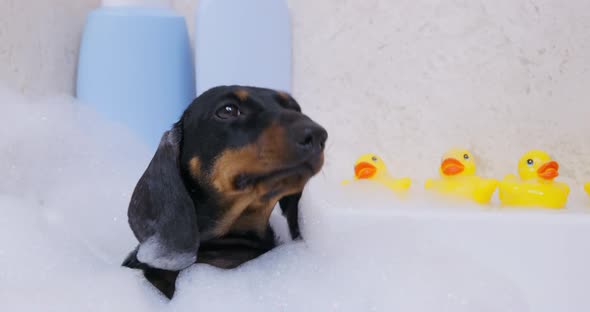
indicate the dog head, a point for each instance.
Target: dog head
{"x":240,"y":139}
{"x":233,"y":144}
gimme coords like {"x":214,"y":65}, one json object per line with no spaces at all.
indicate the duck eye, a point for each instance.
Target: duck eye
{"x":374,"y":158}
{"x":228,"y":111}
{"x":466,"y":156}
{"x":530,"y":162}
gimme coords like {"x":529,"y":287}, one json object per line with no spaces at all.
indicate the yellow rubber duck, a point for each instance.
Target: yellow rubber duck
{"x":372,"y":167}
{"x":535,"y":186}
{"x":587,"y":188}
{"x":458,"y":179}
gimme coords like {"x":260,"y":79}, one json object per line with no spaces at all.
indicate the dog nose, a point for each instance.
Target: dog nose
{"x":310,"y":137}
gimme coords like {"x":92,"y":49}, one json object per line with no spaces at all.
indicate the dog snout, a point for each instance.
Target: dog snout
{"x":309,"y":138}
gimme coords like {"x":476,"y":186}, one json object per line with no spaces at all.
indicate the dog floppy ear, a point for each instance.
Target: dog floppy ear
{"x":290,"y":208}
{"x":161,"y":212}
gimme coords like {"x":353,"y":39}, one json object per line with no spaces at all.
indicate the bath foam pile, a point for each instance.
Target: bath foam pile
{"x":67,"y":179}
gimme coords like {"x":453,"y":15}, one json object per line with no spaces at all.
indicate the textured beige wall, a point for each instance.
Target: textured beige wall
{"x":404,"y":78}
{"x":409,"y":78}
{"x":39,"y":42}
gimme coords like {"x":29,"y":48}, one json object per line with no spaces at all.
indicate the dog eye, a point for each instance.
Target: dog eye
{"x":228,"y":111}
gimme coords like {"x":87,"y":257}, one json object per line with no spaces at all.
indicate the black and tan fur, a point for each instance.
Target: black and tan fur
{"x":208,"y":192}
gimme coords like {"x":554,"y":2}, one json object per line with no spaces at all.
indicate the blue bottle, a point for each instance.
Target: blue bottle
{"x":245,"y":42}
{"x":135,"y":67}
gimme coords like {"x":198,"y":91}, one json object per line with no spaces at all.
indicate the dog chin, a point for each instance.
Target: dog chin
{"x":297,"y":174}
{"x":301,"y":171}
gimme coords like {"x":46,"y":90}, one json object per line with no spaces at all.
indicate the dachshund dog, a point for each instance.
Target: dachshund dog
{"x":208,"y":192}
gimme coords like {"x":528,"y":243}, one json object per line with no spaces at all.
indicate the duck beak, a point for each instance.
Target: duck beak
{"x":451,"y":166}
{"x":549,"y":170}
{"x":364,"y":170}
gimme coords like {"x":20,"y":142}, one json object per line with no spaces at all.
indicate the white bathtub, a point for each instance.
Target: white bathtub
{"x":542,"y":255}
